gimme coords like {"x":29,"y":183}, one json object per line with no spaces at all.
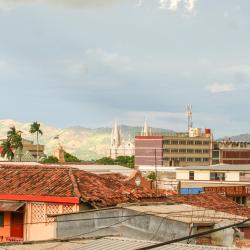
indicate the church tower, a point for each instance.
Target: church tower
{"x":116,"y":141}
{"x":146,"y":130}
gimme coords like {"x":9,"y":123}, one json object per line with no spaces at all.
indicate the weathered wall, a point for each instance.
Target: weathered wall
{"x":139,"y":227}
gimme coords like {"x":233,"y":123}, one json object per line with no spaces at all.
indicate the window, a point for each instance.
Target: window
{"x":205,"y":159}
{"x":1,"y":219}
{"x":183,"y":150}
{"x":190,"y":151}
{"x":205,"y":142}
{"x":217,"y":176}
{"x":197,"y":159}
{"x":174,"y":150}
{"x":198,"y":151}
{"x":190,"y":159}
{"x":205,"y":151}
{"x":174,"y":142}
{"x":167,"y":142}
{"x":191,"y":175}
{"x":190,"y":142}
{"x":182,"y":142}
{"x":197,"y":142}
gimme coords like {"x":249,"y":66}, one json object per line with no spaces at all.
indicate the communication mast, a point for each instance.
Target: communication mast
{"x":189,"y":114}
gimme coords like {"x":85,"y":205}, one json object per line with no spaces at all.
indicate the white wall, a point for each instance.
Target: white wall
{"x":182,"y":175}
{"x":202,"y":175}
{"x":232,"y":176}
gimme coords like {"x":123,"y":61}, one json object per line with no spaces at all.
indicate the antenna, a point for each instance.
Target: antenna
{"x":189,"y":114}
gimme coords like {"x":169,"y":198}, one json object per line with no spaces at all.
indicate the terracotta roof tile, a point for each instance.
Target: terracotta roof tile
{"x":100,"y":191}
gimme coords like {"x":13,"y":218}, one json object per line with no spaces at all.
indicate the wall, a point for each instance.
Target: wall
{"x":40,"y":226}
{"x":137,"y":227}
{"x":148,"y":150}
{"x":201,"y":175}
{"x":182,"y":175}
{"x":232,"y":176}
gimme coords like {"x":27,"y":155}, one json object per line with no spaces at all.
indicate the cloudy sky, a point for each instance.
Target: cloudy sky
{"x":87,"y":63}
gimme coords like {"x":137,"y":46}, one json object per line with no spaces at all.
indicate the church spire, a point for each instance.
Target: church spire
{"x":116,"y":135}
{"x":146,"y":131}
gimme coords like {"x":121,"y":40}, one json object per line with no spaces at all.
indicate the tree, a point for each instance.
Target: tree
{"x":70,"y":158}
{"x":7,"y":150}
{"x":152,"y":176}
{"x":50,"y":159}
{"x":126,"y":161}
{"x":105,"y":161}
{"x":14,"y":140}
{"x":35,"y":128}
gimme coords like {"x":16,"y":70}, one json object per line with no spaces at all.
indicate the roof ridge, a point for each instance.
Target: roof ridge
{"x":74,"y":182}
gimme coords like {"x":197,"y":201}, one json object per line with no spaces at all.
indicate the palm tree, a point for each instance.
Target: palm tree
{"x":7,"y":150}
{"x":35,"y":128}
{"x":14,"y":138}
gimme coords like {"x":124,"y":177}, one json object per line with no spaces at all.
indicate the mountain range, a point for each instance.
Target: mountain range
{"x":85,"y":143}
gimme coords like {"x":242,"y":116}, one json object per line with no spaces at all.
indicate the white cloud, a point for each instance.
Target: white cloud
{"x":190,"y":5}
{"x":169,"y":4}
{"x":220,"y":88}
{"x":174,"y":5}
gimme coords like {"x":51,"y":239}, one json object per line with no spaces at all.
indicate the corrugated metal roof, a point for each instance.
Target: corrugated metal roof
{"x":10,"y":206}
{"x":131,"y":244}
{"x":223,"y":167}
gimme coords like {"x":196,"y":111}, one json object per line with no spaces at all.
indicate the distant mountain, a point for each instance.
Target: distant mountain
{"x":85,"y":143}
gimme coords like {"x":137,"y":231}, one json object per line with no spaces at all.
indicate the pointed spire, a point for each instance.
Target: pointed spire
{"x":146,"y":131}
{"x":116,"y":135}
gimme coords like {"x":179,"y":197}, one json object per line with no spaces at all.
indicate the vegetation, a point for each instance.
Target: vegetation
{"x":49,"y":159}
{"x":126,"y":161}
{"x":14,"y":142}
{"x":35,"y":129}
{"x":7,"y":150}
{"x":70,"y":158}
{"x":152,"y":176}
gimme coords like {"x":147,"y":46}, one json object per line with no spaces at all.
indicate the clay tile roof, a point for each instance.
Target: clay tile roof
{"x":212,"y":201}
{"x":44,"y":180}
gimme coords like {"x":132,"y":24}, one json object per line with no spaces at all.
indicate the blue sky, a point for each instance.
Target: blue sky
{"x":87,"y":63}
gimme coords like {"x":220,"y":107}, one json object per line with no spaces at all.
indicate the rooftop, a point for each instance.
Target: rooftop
{"x":22,"y":181}
{"x":111,"y":243}
{"x":188,"y":213}
{"x":222,"y":167}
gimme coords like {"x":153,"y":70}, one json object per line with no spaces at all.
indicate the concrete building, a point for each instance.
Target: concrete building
{"x":231,"y":152}
{"x":175,"y":149}
{"x":159,"y":221}
{"x":229,"y":178}
{"x":119,"y":146}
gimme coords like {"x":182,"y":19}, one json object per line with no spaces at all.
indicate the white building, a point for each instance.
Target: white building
{"x":119,"y":146}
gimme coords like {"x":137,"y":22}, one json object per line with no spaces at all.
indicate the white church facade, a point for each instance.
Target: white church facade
{"x":119,"y":146}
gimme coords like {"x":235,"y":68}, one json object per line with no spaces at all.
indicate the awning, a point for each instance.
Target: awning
{"x":10,"y":206}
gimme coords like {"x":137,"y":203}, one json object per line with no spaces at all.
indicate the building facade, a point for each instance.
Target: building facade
{"x":118,"y":145}
{"x":176,"y":149}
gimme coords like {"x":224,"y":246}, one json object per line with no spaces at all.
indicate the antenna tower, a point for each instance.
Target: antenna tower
{"x":189,"y":114}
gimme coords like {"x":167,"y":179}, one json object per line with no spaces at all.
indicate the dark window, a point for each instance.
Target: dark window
{"x":190,"y":142}
{"x":198,"y":142}
{"x":216,"y":176}
{"x":190,"y":150}
{"x":205,"y":142}
{"x":191,"y":175}
{"x":1,"y":219}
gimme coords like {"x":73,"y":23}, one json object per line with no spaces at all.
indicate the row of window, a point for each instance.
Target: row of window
{"x":182,"y":159}
{"x":187,"y":142}
{"x":184,"y":150}
{"x":214,"y":176}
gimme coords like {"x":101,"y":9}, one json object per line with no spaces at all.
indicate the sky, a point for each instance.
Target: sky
{"x":89,"y":62}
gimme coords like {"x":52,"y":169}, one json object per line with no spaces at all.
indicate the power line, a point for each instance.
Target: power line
{"x":193,"y":236}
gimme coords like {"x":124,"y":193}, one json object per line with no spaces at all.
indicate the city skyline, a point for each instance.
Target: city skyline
{"x":86,"y":63}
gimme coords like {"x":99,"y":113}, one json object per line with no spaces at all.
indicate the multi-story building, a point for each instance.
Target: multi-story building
{"x":231,"y":152}
{"x":175,"y":149}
